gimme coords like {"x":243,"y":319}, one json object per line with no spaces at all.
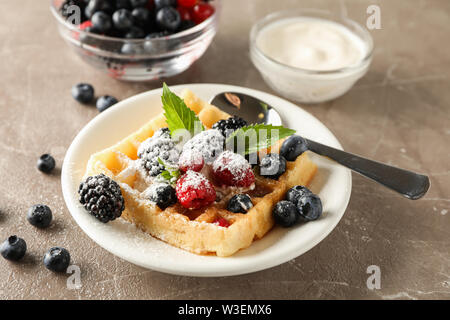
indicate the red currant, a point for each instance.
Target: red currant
{"x":185,"y":13}
{"x":222,"y":222}
{"x":187,"y":3}
{"x":201,"y":11}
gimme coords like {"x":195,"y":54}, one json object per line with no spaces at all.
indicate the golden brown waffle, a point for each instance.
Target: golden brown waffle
{"x":193,"y":230}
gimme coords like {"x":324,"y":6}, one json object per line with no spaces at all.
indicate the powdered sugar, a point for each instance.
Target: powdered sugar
{"x":190,"y":160}
{"x":192,"y":179}
{"x":208,"y":143}
{"x":159,"y":146}
{"x":235,"y":163}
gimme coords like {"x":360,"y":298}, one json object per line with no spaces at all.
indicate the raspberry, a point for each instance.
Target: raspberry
{"x":160,"y":146}
{"x":232,"y":169}
{"x":194,"y":191}
{"x":208,"y":143}
{"x":226,"y":127}
{"x":222,"y":222}
{"x":190,"y":160}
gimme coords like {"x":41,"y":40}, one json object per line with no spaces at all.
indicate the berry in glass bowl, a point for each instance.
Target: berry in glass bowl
{"x":137,"y":40}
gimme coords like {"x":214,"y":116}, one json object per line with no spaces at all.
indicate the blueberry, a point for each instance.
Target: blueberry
{"x":164,"y":196}
{"x":122,"y":19}
{"x":131,"y":48}
{"x":104,"y":102}
{"x":138,"y":3}
{"x":285,"y":213}
{"x":46,"y":163}
{"x":272,"y":166}
{"x":309,"y":207}
{"x":93,"y":7}
{"x":186,"y":24}
{"x":101,"y":21}
{"x":156,"y":46}
{"x":123,"y":4}
{"x":57,"y":259}
{"x":168,"y":18}
{"x":83,"y":92}
{"x":141,"y":17}
{"x":292,"y":147}
{"x":165,"y":3}
{"x":240,"y":203}
{"x":296,"y":192}
{"x":39,"y":216}
{"x":13,"y":248}
{"x":135,"y":33}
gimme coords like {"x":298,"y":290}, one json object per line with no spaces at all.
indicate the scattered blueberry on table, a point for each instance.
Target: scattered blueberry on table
{"x":83,"y":93}
{"x":104,"y":102}
{"x":39,"y":216}
{"x":46,"y":163}
{"x":13,"y":248}
{"x":57,"y":259}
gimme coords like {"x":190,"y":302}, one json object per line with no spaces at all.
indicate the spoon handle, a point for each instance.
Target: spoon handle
{"x":409,"y":184}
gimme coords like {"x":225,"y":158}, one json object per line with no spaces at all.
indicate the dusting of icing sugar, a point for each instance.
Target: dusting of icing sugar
{"x":190,"y":157}
{"x":192,"y":179}
{"x":208,"y":143}
{"x":234,"y":162}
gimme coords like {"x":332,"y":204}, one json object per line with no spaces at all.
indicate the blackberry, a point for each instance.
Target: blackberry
{"x":101,"y":197}
{"x":160,"y":146}
{"x":226,"y":127}
{"x":272,"y":166}
{"x":163,"y":195}
{"x":240,"y":203}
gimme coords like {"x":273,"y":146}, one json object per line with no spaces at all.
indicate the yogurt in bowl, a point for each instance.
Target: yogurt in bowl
{"x":311,"y":56}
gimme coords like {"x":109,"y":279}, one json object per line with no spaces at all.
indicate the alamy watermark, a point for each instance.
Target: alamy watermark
{"x":74,"y":280}
{"x":374,"y":19}
{"x":374,"y":280}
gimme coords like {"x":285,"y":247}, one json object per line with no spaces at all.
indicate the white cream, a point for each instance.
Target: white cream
{"x":311,"y":43}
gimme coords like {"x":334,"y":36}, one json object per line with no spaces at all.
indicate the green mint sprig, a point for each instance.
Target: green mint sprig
{"x":253,"y":138}
{"x":178,"y":115}
{"x":169,"y":173}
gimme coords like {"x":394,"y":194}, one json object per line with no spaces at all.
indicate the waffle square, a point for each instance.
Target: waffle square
{"x":193,"y":230}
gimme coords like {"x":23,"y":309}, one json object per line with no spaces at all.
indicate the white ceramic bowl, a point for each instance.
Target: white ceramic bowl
{"x":332,"y":183}
{"x":303,"y":85}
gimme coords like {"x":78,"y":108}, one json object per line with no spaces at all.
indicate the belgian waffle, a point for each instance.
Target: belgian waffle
{"x":194,"y":230}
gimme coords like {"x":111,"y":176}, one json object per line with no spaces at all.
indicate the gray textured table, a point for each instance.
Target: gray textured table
{"x":399,"y":114}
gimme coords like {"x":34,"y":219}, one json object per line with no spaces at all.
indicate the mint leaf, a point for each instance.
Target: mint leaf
{"x":178,"y":115}
{"x":250,"y":139}
{"x":169,"y":173}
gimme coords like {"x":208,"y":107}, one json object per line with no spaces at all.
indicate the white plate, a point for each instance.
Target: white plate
{"x":332,"y":183}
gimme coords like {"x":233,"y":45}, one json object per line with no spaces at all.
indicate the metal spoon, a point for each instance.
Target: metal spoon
{"x":409,"y":184}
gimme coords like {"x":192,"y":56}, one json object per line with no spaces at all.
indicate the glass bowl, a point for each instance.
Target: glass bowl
{"x":139,"y":59}
{"x":304,"y":85}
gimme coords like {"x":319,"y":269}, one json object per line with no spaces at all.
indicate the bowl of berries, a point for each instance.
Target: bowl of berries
{"x":137,"y":40}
